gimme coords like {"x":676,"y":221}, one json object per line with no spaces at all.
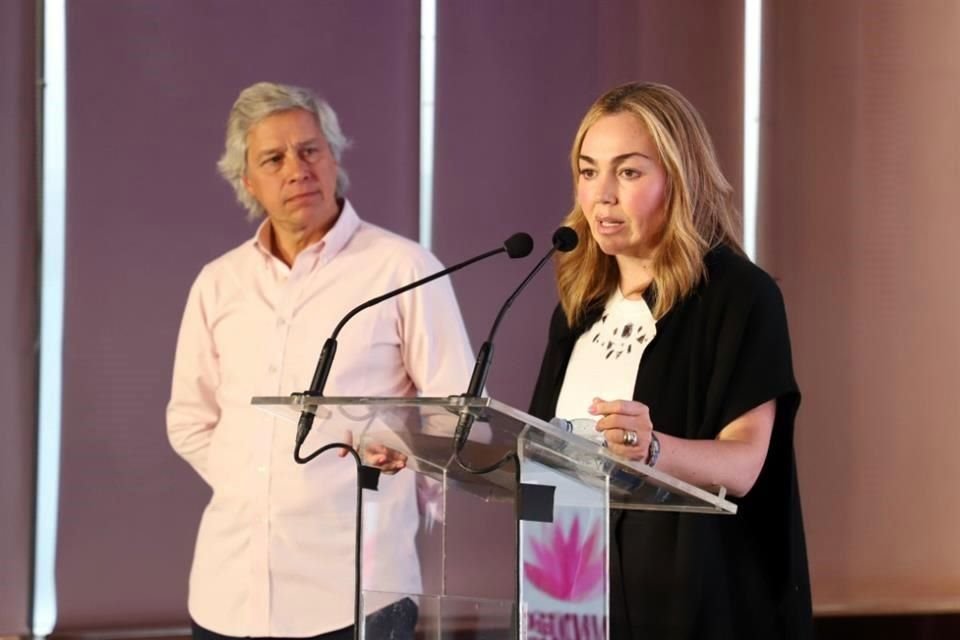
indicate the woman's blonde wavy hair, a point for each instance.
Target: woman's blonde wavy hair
{"x":699,"y":209}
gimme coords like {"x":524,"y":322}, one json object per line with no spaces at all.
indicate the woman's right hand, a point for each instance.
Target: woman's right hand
{"x":625,"y":425}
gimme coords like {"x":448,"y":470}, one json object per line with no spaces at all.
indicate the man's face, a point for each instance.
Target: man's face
{"x":292,"y":172}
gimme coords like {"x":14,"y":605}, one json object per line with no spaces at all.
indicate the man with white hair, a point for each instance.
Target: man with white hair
{"x":275,"y":551}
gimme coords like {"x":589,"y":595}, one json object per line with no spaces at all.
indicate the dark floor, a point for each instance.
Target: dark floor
{"x":902,"y":627}
{"x":912,"y":627}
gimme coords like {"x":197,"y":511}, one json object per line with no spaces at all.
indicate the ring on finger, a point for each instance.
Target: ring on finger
{"x":630,"y":438}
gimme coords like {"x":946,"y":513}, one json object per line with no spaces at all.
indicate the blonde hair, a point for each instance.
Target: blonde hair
{"x":699,"y":209}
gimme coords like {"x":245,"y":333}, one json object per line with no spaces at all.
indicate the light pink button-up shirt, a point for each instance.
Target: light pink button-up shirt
{"x":275,"y":550}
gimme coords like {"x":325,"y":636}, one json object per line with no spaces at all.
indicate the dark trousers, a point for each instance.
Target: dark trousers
{"x":396,"y":622}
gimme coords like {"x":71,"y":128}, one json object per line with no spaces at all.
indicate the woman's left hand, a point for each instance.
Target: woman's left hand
{"x":625,"y":425}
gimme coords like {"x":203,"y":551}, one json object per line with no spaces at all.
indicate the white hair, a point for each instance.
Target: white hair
{"x":260,"y":101}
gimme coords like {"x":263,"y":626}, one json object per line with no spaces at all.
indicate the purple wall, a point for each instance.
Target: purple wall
{"x":149,"y":88}
{"x":18,"y":308}
{"x":510,"y":92}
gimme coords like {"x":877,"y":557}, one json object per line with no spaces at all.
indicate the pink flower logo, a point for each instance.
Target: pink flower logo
{"x":565,"y":566}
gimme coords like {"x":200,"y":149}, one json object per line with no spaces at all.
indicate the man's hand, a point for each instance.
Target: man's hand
{"x":389,"y":461}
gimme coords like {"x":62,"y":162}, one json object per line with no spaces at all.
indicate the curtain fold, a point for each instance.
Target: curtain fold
{"x":858,"y":190}
{"x":18,"y":307}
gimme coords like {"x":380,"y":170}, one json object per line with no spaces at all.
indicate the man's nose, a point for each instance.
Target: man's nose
{"x":297,"y":168}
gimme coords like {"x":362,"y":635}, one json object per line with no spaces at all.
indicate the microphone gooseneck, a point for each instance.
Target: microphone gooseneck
{"x":519,"y":245}
{"x":564,"y":240}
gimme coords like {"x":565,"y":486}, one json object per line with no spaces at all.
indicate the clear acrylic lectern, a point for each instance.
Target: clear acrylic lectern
{"x":558,"y":491}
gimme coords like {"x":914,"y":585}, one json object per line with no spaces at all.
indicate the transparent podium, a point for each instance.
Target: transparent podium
{"x":511,"y":534}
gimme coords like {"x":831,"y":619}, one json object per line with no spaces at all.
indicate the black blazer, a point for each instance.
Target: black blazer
{"x":720,"y":352}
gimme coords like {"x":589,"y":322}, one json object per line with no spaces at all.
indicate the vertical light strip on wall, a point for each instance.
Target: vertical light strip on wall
{"x":53,"y":180}
{"x":428,"y":75}
{"x":753,"y":25}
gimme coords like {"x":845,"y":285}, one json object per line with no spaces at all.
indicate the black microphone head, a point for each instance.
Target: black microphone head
{"x":565,"y":239}
{"x":519,"y":245}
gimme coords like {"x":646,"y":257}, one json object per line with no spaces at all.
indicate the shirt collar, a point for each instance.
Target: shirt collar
{"x":327,"y":247}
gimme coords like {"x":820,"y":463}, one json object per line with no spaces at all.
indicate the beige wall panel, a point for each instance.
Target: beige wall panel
{"x":860,"y":180}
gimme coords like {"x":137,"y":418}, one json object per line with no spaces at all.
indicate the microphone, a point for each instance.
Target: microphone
{"x":519,"y":245}
{"x":564,"y":240}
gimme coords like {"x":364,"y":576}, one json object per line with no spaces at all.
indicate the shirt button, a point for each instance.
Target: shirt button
{"x":281,"y":322}
{"x":262,"y":469}
{"x":272,"y":368}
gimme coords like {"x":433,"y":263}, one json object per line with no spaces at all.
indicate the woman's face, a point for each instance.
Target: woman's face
{"x":622,"y":186}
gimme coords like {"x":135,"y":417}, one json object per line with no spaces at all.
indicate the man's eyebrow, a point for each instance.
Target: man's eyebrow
{"x":299,"y":145}
{"x":308,"y":141}
{"x":269,"y":152}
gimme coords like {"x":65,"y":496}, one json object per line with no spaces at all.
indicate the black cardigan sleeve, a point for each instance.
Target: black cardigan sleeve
{"x":753,"y":362}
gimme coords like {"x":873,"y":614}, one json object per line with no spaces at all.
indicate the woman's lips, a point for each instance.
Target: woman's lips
{"x":607,"y":226}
